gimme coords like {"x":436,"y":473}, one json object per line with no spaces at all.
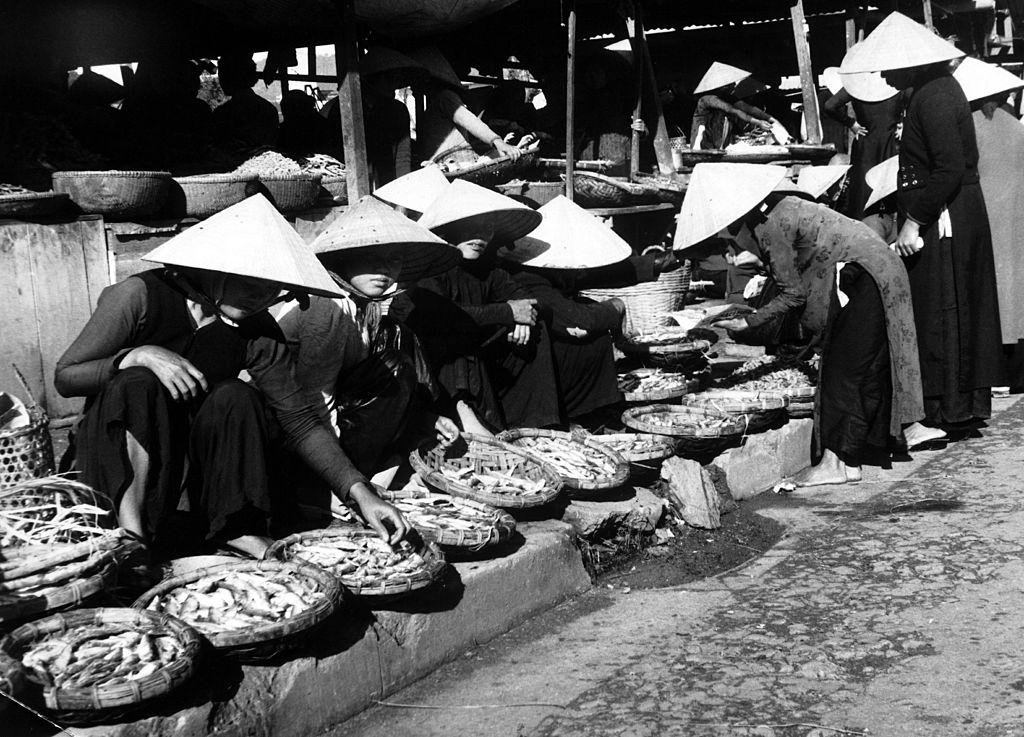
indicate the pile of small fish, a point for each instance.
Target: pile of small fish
{"x":632,"y":444}
{"x":442,"y":513}
{"x":94,"y":655}
{"x":359,"y":560}
{"x":679,"y":420}
{"x":661,"y":336}
{"x":323,"y":164}
{"x":13,"y":189}
{"x":495,"y":482}
{"x":233,"y":600}
{"x":648,"y":382}
{"x":569,"y":458}
{"x":270,"y":164}
{"x":768,"y":373}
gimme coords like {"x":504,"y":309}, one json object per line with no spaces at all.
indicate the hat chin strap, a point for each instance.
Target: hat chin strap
{"x":359,"y":295}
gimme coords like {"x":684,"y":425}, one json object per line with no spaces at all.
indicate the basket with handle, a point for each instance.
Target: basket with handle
{"x":614,"y":470}
{"x":27,"y":453}
{"x":476,"y":454}
{"x":115,"y":194}
{"x":108,"y":700}
{"x":648,"y":304}
{"x":485,"y":526}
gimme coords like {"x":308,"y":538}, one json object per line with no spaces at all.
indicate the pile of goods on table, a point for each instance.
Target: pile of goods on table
{"x":270,"y":164}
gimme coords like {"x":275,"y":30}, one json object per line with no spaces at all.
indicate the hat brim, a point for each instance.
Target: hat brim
{"x":506,"y":225}
{"x":419,"y":260}
{"x":867,"y":86}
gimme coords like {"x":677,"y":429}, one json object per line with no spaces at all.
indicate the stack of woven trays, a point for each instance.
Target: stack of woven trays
{"x":697,"y":431}
{"x":667,"y":347}
{"x":648,"y":304}
{"x":452,"y":522}
{"x":790,"y":378}
{"x":581,"y":461}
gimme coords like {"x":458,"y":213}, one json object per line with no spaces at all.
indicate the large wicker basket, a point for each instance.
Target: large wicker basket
{"x":759,"y":410}
{"x":203,"y":195}
{"x":260,"y":643}
{"x":292,"y":192}
{"x":499,"y":528}
{"x":105,"y":702}
{"x":520,"y":438}
{"x":648,"y":303}
{"x":336,"y":187}
{"x":483,"y":455}
{"x":597,"y":190}
{"x":115,"y":194}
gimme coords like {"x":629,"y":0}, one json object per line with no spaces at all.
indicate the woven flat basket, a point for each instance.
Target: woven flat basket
{"x":115,"y":194}
{"x":691,"y":439}
{"x":648,"y":303}
{"x":262,"y":642}
{"x":484,"y":455}
{"x":289,"y":548}
{"x":292,"y":192}
{"x":105,"y":702}
{"x":498,"y":527}
{"x":663,"y":446}
{"x":28,"y":205}
{"x":597,"y":190}
{"x":16,"y":563}
{"x":520,"y":438}
{"x":682,"y":385}
{"x":738,"y":402}
{"x":25,"y":605}
{"x":203,"y":195}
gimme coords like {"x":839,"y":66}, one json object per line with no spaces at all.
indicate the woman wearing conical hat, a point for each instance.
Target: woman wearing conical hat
{"x":158,"y":363}
{"x":944,"y":232}
{"x":354,"y":363}
{"x":870,"y":386}
{"x":720,"y":107}
{"x":479,"y":328}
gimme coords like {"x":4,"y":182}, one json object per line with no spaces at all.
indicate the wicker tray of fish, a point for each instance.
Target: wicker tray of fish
{"x":659,"y":336}
{"x":652,"y":385}
{"x":638,"y":447}
{"x":795,"y":379}
{"x":496,"y":482}
{"x":452,"y":521}
{"x":580,"y":461}
{"x":683,"y":421}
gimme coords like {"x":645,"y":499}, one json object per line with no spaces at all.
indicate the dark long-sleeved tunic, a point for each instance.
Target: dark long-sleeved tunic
{"x":714,"y":114}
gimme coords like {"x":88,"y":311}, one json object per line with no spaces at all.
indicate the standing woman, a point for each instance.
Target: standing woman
{"x":720,"y":107}
{"x":943,"y":230}
{"x":870,"y":386}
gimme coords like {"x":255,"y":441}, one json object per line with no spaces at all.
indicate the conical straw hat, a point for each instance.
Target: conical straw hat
{"x":898,"y":43}
{"x":720,"y":75}
{"x":568,"y":237}
{"x":882,"y":180}
{"x":467,"y":205}
{"x":817,"y":180}
{"x":981,"y":79}
{"x":249,"y":239}
{"x":434,"y":62}
{"x":720,"y":194}
{"x":831,"y":80}
{"x":382,"y":59}
{"x":370,"y":223}
{"x":867,"y":86}
{"x":415,"y":190}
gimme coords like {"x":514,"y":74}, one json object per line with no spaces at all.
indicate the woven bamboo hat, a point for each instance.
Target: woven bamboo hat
{"x":380,"y":59}
{"x":720,"y":194}
{"x":465,"y":205}
{"x":370,"y":224}
{"x":831,"y":80}
{"x":981,"y":79}
{"x":249,"y":239}
{"x":431,"y":59}
{"x":415,"y":190}
{"x":898,"y":43}
{"x":817,"y":180}
{"x":568,"y":237}
{"x":882,"y":180}
{"x":867,"y":86}
{"x":720,"y":75}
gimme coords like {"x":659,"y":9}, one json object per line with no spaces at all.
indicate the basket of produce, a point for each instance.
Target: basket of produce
{"x":450,"y":521}
{"x":648,"y":304}
{"x":98,"y":665}
{"x":760,"y":410}
{"x":488,"y":471}
{"x":794,"y":379}
{"x":363,"y":563}
{"x":654,"y":385}
{"x":598,"y":190}
{"x":115,"y":194}
{"x":697,"y":431}
{"x":488,"y":170}
{"x":19,"y":203}
{"x":334,"y":179}
{"x":639,"y":447}
{"x":202,"y":195}
{"x":581,"y":462}
{"x":252,"y":609}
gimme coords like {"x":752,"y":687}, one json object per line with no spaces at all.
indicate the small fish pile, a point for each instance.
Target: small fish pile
{"x":323,"y":164}
{"x":99,"y":655}
{"x":648,"y":382}
{"x":633,"y":445}
{"x":233,"y":600}
{"x":442,"y":513}
{"x":270,"y":164}
{"x":14,"y":189}
{"x":569,"y":458}
{"x":359,"y":560}
{"x":661,"y":336}
{"x":495,"y":482}
{"x":680,"y":420}
{"x":768,"y":373}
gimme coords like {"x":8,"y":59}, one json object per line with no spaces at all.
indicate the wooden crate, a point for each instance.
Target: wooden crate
{"x":50,"y":278}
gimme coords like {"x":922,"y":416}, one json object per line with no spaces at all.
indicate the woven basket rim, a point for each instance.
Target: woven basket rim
{"x":161,"y":681}
{"x":503,"y":525}
{"x":34,"y":556}
{"x":67,"y":570}
{"x":263,"y":634}
{"x":492,"y":166}
{"x":19,"y":197}
{"x":300,"y":177}
{"x":123,"y":173}
{"x":618,"y":478}
{"x":433,"y":558}
{"x":53,"y":598}
{"x":226,"y":178}
{"x":738,"y":402}
{"x":332,"y":178}
{"x":668,"y":445}
{"x":633,"y":417}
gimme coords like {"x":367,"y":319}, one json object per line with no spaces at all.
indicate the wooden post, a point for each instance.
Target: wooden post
{"x":570,"y":103}
{"x":634,"y":29}
{"x":350,"y":103}
{"x":807,"y":79}
{"x":926,"y":5}
{"x":662,"y":148}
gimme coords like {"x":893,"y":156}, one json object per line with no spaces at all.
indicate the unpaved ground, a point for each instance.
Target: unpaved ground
{"x":870,"y":616}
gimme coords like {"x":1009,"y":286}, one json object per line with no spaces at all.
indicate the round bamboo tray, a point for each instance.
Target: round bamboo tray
{"x":659,"y":446}
{"x":292,"y":192}
{"x":692,"y":440}
{"x":760,"y":410}
{"x":18,"y":607}
{"x":485,"y":455}
{"x":520,"y":436}
{"x":115,"y":700}
{"x":266,"y":641}
{"x":290,"y":548}
{"x":115,"y":194}
{"x":499,"y":527}
{"x":648,"y":303}
{"x":682,"y":386}
{"x":29,"y":205}
{"x":203,"y":195}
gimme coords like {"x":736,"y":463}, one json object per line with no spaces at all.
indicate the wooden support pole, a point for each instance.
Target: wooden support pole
{"x":570,"y":103}
{"x":633,"y":29}
{"x":350,"y":103}
{"x":926,"y":5}
{"x":808,"y":82}
{"x":662,"y":148}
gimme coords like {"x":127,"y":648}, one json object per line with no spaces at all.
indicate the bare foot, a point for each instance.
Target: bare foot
{"x":830,"y":470}
{"x":252,"y":545}
{"x":470,"y":422}
{"x":917,"y":435}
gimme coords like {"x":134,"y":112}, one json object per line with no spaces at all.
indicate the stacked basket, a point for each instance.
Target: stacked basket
{"x":649,"y":303}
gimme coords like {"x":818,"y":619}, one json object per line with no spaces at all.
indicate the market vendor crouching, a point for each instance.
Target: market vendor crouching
{"x":158,"y":363}
{"x":360,"y":369}
{"x":870,"y":384}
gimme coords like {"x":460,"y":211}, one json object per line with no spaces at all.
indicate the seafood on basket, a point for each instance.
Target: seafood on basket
{"x":667,"y":335}
{"x":359,"y":560}
{"x":100,"y":654}
{"x":637,"y":445}
{"x":270,"y":164}
{"x":650,"y":381}
{"x":437,"y":512}
{"x":230,"y":600}
{"x":769,"y":373}
{"x":568,"y":457}
{"x":495,"y":482}
{"x":675,"y":420}
{"x":323,"y":164}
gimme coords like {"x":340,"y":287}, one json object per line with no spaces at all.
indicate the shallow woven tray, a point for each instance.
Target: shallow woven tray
{"x":487,"y":173}
{"x":684,"y":387}
{"x":485,"y":454}
{"x":115,"y":194}
{"x":597,"y":190}
{"x":292,"y":192}
{"x":255,"y":643}
{"x":618,"y":478}
{"x":104,"y":702}
{"x":59,"y":574}
{"x":18,"y":562}
{"x":667,"y":446}
{"x":738,"y":402}
{"x":434,"y":562}
{"x":634,"y":418}
{"x":501,"y":529}
{"x":648,"y":303}
{"x":203,"y":195}
{"x":15,"y":608}
{"x":25,"y":205}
